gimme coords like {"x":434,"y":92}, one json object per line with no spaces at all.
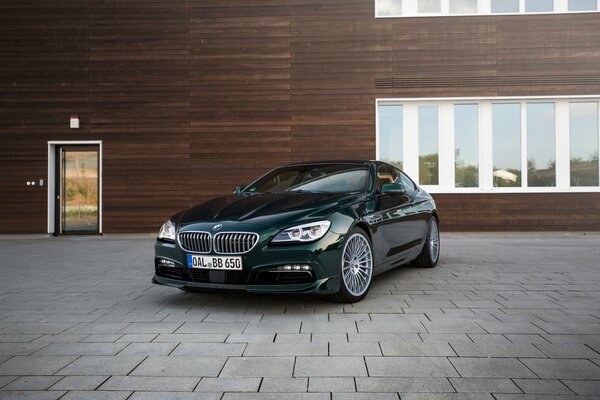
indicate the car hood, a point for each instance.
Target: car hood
{"x":251,"y":206}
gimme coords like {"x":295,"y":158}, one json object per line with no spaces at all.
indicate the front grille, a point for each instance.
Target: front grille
{"x":226,"y":277}
{"x":199,"y":275}
{"x":234,"y":242}
{"x":236,"y":277}
{"x":197,"y":242}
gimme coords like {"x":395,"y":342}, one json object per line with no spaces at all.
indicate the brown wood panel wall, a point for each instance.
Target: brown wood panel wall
{"x":519,"y":212}
{"x":192,"y":97}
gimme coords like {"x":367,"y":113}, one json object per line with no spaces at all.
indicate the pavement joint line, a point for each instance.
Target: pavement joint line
{"x":138,"y":364}
{"x":103,"y":382}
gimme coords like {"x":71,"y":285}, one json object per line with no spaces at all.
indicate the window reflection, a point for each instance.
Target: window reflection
{"x":541,"y":149}
{"x":583,"y":128}
{"x":505,"y":6}
{"x":429,"y":6}
{"x":523,"y":141}
{"x":466,"y":149}
{"x":539,"y":5}
{"x":463,"y":6}
{"x":428,"y":145}
{"x":389,"y":7}
{"x":80,"y":191}
{"x":506,"y":142}
{"x":390,"y":135}
{"x":583,"y":5}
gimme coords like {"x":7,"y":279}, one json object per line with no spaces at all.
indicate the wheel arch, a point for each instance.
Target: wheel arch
{"x":365,"y":227}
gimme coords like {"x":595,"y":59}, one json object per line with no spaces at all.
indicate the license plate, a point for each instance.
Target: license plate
{"x":214,"y":262}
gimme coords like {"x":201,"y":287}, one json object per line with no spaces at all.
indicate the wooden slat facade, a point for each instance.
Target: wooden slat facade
{"x":192,"y":97}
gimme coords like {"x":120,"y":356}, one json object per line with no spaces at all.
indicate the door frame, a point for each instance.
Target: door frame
{"x":52,"y":179}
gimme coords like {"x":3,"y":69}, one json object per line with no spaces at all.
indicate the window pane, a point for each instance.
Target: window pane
{"x":80,"y":191}
{"x":539,"y":5}
{"x":428,"y":145}
{"x":505,"y":6}
{"x":541,"y":150}
{"x":582,"y":5}
{"x":429,"y":6}
{"x":390,"y":135}
{"x":583,"y":127}
{"x":407,"y":182}
{"x":506,"y":141}
{"x":463,"y":6}
{"x":389,"y":7}
{"x":466,"y":145}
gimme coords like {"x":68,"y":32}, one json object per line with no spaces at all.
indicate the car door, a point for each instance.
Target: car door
{"x":417,"y":216}
{"x":395,"y":214}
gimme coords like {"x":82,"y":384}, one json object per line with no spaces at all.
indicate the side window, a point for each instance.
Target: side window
{"x":407,"y":182}
{"x":387,"y":174}
{"x":384,"y":175}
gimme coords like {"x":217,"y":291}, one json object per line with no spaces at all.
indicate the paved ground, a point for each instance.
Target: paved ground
{"x":502,"y":317}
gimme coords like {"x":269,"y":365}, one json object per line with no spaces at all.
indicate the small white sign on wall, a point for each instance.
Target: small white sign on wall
{"x":74,"y":122}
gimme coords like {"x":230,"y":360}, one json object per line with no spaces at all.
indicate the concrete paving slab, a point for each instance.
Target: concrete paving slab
{"x":102,"y":365}
{"x":35,"y":365}
{"x":410,"y":366}
{"x":413,"y":385}
{"x":563,"y":368}
{"x":150,"y":383}
{"x":26,"y":383}
{"x":258,"y":367}
{"x":229,"y":385}
{"x":179,"y":366}
{"x":330,"y":366}
{"x":284,"y":385}
{"x":318,"y":384}
{"x":491,"y":368}
{"x":79,"y":383}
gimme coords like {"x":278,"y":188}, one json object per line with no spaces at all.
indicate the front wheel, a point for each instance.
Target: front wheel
{"x":356,"y":268}
{"x":431,"y":249}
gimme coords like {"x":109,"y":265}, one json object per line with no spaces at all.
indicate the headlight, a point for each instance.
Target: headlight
{"x":303,"y":233}
{"x":167,"y":231}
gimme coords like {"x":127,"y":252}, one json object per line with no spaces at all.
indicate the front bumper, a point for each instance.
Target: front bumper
{"x":321,"y":286}
{"x":258,"y":274}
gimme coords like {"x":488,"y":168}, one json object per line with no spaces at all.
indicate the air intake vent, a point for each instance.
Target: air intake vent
{"x":196,"y":242}
{"x":234,"y":242}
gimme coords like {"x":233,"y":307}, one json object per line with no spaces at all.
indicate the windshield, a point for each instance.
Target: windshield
{"x":313,"y":178}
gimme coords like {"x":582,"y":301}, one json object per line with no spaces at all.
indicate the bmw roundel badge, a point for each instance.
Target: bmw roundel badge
{"x":217,"y":227}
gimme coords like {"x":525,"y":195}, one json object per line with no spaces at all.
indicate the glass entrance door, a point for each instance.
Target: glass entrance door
{"x":77,"y":187}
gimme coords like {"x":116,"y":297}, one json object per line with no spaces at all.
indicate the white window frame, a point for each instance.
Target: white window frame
{"x":484,"y":7}
{"x":52,"y":177}
{"x":446,"y":141}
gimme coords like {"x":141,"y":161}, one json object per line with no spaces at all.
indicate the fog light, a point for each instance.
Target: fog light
{"x":165,"y":263}
{"x":293,"y":267}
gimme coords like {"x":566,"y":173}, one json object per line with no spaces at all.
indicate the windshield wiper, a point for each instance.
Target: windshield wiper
{"x":308,"y":191}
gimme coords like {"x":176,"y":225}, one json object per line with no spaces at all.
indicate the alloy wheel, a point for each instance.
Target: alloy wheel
{"x":434,"y":241}
{"x":357,"y":264}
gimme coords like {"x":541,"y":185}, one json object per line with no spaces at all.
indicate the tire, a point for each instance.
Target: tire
{"x":356,"y":268}
{"x":431,"y":249}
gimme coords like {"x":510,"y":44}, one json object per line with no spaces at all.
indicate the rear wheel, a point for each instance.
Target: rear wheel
{"x":431,"y":249}
{"x":356,"y":268}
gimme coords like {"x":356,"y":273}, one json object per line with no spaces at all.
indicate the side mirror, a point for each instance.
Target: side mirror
{"x":239,"y":188}
{"x":392,"y":188}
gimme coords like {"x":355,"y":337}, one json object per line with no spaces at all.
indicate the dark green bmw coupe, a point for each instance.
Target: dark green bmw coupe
{"x":322,"y":227}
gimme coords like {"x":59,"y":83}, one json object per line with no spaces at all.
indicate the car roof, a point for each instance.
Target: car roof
{"x":332,"y":162}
